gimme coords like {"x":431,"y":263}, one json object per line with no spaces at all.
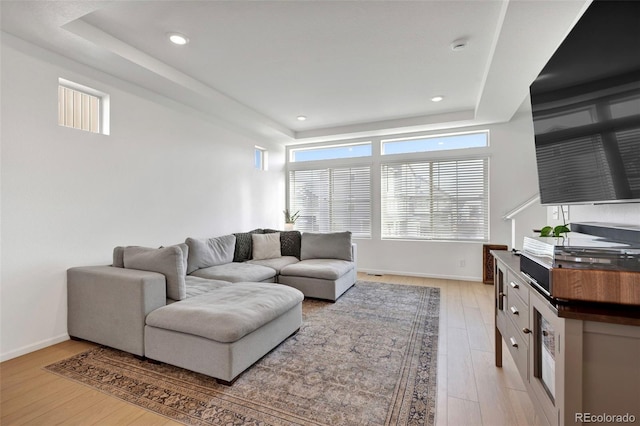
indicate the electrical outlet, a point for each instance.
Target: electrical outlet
{"x":463,"y":263}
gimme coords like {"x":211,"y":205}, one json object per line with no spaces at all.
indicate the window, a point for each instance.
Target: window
{"x":436,"y":200}
{"x":260,"y":158}
{"x":82,"y":108}
{"x":331,"y":152}
{"x":332,"y":199}
{"x":434,"y":143}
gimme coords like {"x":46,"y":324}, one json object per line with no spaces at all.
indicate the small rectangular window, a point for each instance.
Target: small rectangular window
{"x":260,"y":158}
{"x":82,"y":108}
{"x":434,"y":143}
{"x":331,"y":152}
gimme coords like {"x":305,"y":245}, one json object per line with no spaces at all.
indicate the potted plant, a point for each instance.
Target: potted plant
{"x":290,"y":219}
{"x":555,"y":231}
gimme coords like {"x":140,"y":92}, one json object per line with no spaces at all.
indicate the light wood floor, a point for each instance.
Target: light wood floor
{"x":471,"y":390}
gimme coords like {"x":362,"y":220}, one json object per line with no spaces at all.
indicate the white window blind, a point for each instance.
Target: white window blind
{"x":78,"y":110}
{"x":332,"y":199}
{"x":437,"y":200}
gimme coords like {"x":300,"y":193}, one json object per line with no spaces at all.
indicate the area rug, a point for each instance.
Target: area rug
{"x":368,"y":359}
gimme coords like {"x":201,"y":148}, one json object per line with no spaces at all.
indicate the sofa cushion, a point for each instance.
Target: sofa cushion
{"x":118,"y":254}
{"x":235,"y":272}
{"x":168,"y":261}
{"x":289,"y":242}
{"x":206,"y":252}
{"x":244,"y":245}
{"x":229,"y":313}
{"x":327,"y":269}
{"x":334,"y":245}
{"x":277,"y":263}
{"x":118,"y":257}
{"x":197,"y":286}
{"x":266,"y":246}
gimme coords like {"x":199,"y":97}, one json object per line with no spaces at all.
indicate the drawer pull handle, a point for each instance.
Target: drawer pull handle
{"x":526,"y":330}
{"x":513,"y":342}
{"x":514,"y":285}
{"x":514,"y":311}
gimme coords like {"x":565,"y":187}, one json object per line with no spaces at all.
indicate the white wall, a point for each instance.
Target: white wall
{"x":513,"y":180}
{"x":626,"y":214}
{"x":68,"y":197}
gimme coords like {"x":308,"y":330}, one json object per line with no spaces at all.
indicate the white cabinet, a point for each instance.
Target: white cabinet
{"x":573,"y":368}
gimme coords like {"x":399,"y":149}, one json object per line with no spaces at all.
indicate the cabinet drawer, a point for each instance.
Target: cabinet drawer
{"x":518,"y":313}
{"x":516,"y":285}
{"x":518,"y":349}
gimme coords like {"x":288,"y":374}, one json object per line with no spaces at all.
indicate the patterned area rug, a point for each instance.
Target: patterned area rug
{"x":368,"y":359}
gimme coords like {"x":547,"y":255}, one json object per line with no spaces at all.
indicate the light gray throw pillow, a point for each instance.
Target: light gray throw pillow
{"x":206,"y":252}
{"x":168,"y":261}
{"x":266,"y":246}
{"x":334,"y":245}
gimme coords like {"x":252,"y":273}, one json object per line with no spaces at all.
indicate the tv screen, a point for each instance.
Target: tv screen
{"x":586,"y":110}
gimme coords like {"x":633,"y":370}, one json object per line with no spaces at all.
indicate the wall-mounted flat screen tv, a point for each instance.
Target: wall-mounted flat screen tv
{"x":586,"y":110}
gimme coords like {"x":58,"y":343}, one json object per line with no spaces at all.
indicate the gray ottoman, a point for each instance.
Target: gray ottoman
{"x":224,"y":332}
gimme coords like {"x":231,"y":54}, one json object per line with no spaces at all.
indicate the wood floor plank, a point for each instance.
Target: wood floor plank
{"x":461,"y":382}
{"x":468,"y":294}
{"x":72,"y":412}
{"x":494,"y":400}
{"x":476,"y":329}
{"x":443,"y":395}
{"x":455,"y":311}
{"x":461,"y":412}
{"x":51,"y":398}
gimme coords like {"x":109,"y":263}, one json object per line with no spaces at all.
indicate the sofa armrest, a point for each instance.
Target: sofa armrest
{"x":108,"y":305}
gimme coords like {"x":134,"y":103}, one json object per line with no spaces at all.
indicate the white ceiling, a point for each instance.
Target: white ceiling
{"x":352,"y":67}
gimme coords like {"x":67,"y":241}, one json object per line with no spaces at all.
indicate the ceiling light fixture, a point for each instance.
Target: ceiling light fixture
{"x":301,"y":118}
{"x":437,"y":98}
{"x":179,"y":39}
{"x":459,"y":45}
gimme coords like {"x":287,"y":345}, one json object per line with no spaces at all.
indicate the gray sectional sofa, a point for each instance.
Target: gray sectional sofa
{"x":321,"y":265}
{"x":211,"y":305}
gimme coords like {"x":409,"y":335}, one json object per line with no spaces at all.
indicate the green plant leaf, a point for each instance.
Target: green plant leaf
{"x":559,"y":230}
{"x":546,"y":231}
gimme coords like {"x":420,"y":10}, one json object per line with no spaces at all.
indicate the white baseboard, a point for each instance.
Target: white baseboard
{"x":5,"y":356}
{"x":415,"y":274}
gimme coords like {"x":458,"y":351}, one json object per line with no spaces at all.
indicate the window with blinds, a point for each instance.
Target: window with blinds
{"x":436,"y":200}
{"x":78,"y":110}
{"x":332,"y":199}
{"x":82,"y":108}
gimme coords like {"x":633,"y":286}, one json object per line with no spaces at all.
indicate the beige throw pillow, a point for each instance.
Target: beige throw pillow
{"x":266,"y":246}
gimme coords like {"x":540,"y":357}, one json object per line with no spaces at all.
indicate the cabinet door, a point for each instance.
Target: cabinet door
{"x":546,"y":364}
{"x":500,"y":281}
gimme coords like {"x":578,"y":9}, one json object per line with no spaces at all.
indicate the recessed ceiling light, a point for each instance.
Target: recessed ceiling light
{"x":437,"y":98}
{"x":301,"y":118}
{"x":179,"y":39}
{"x":458,"y":45}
